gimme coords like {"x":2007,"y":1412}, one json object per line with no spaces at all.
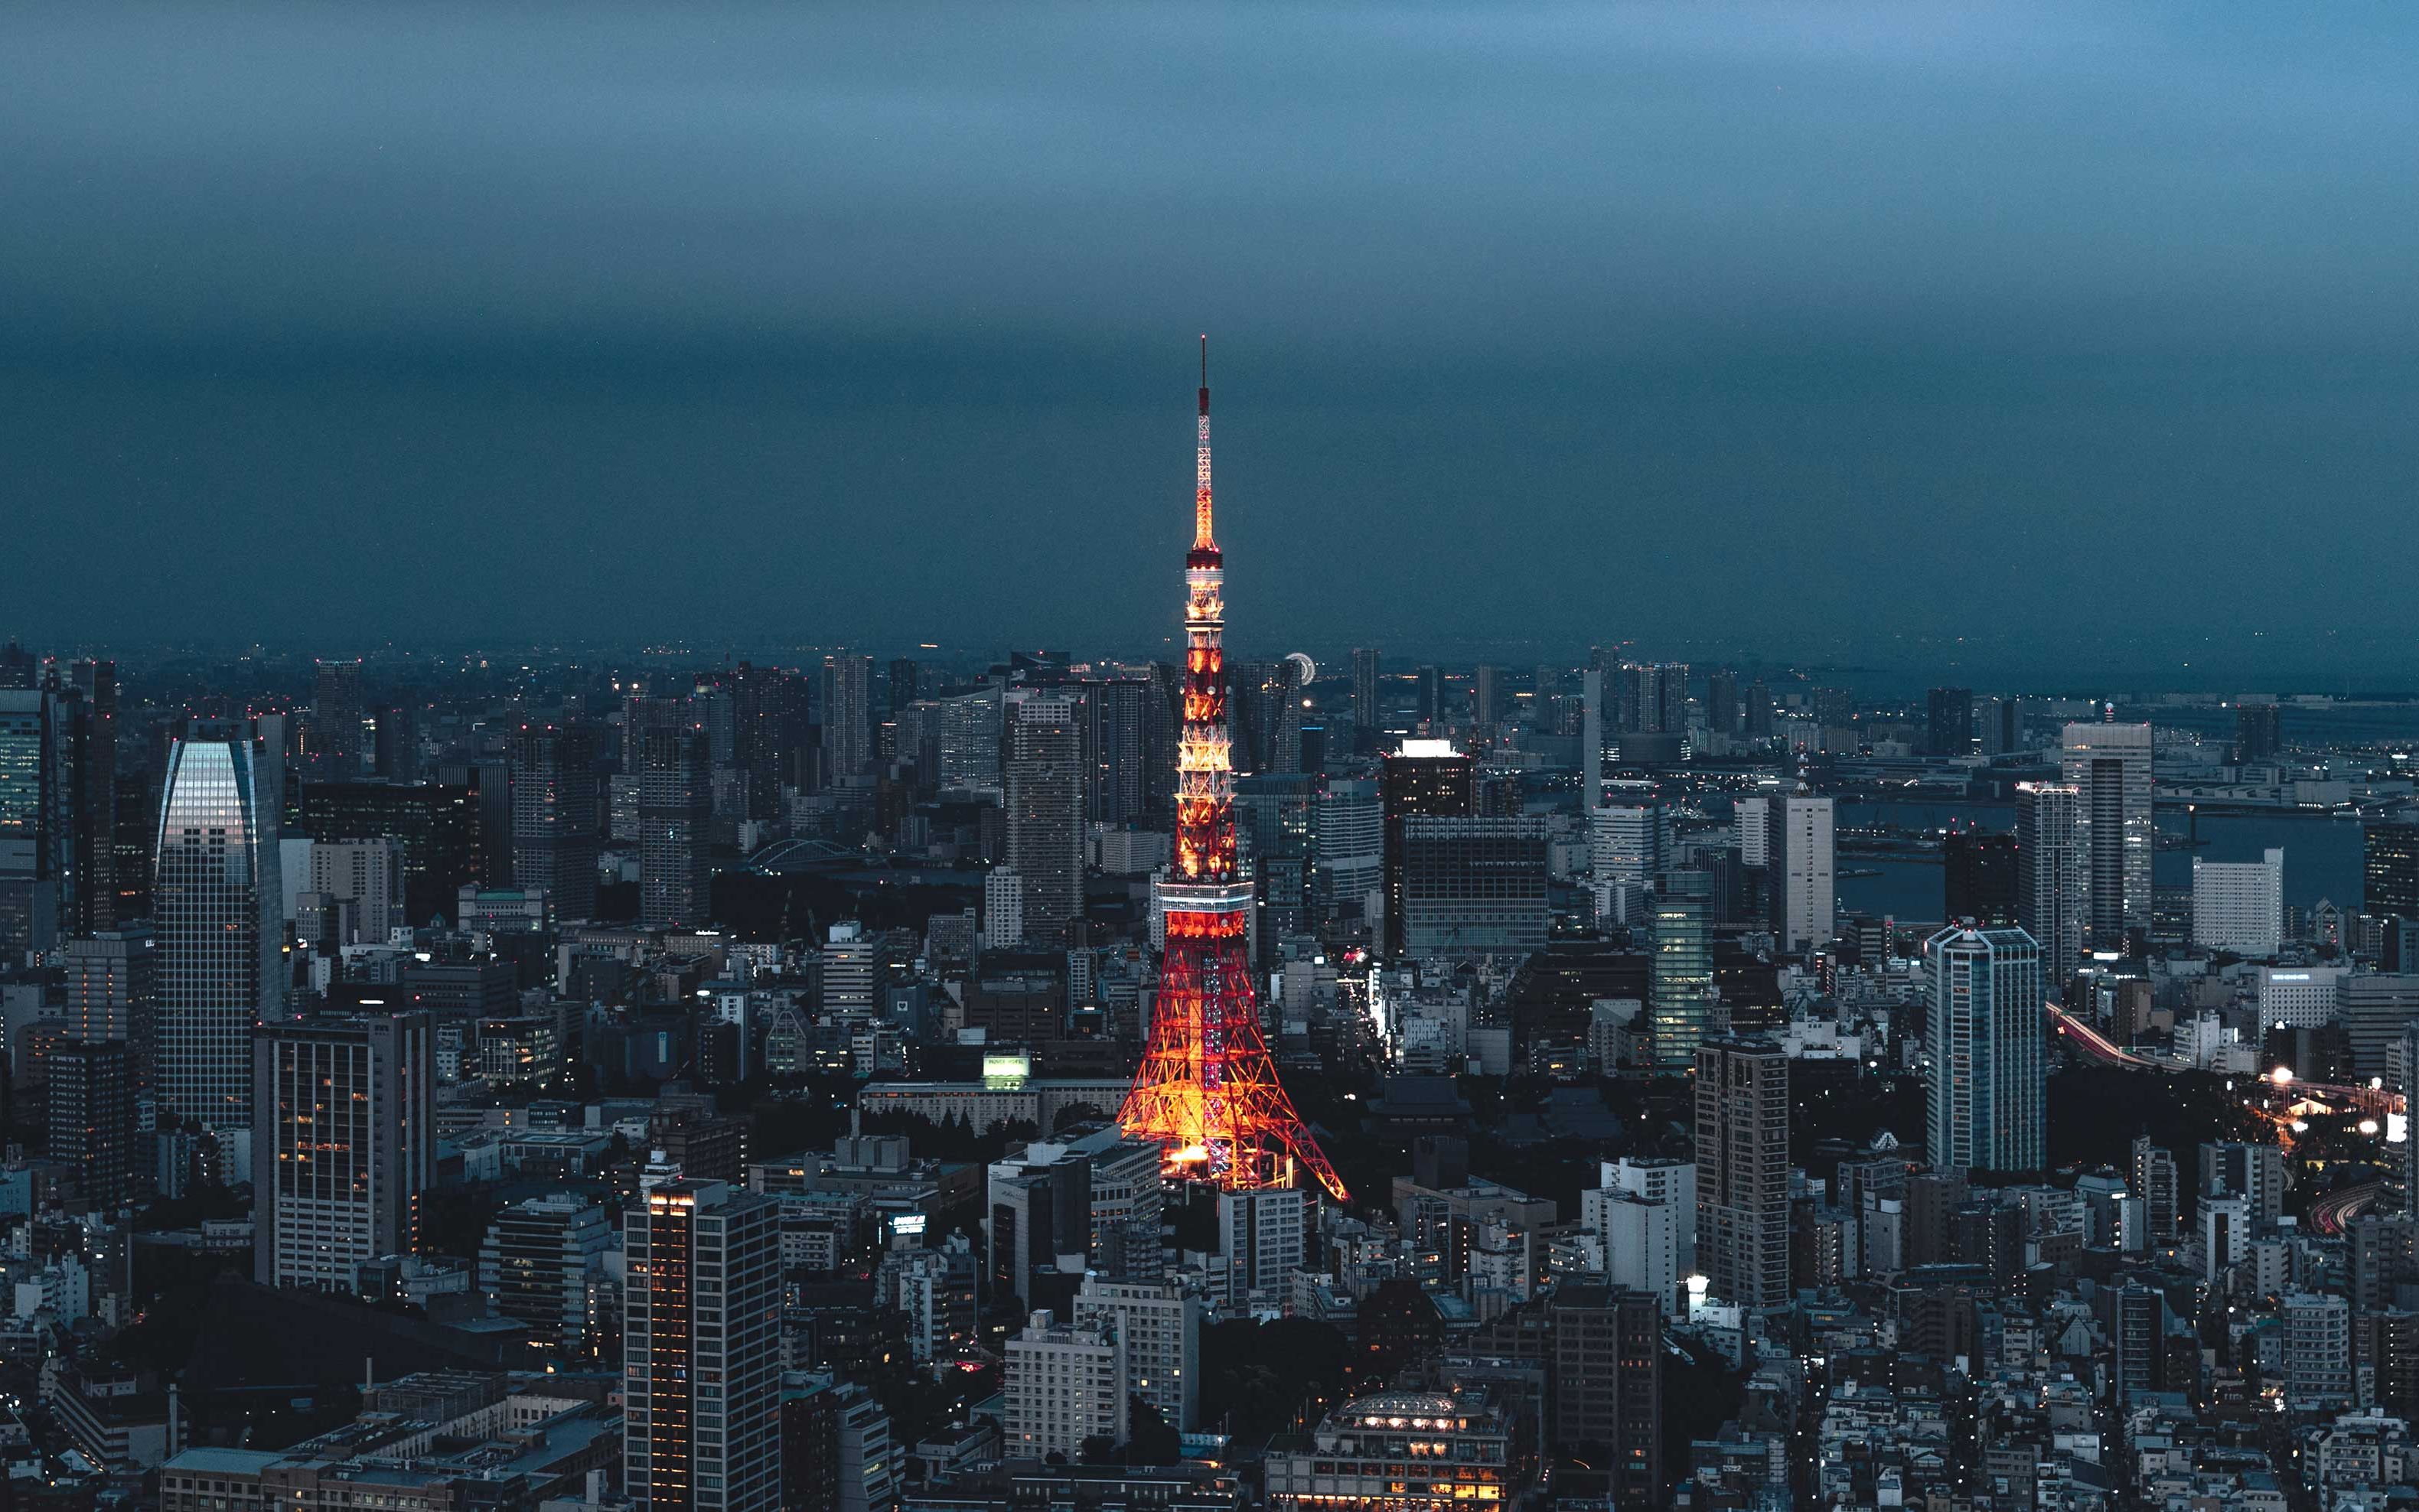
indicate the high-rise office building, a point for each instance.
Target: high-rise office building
{"x":2259,"y":735}
{"x":2389,"y":872}
{"x":542,"y":1266}
{"x":1366,"y":713}
{"x":969,"y":740}
{"x":113,"y":990}
{"x":1485,"y":695}
{"x":1987,"y":1091}
{"x":1948,"y":721}
{"x":1807,"y":870}
{"x":555,"y":816}
{"x":1651,"y":698}
{"x":1981,"y":878}
{"x":396,"y":738}
{"x":37,"y":834}
{"x":91,"y":1090}
{"x":344,"y":1145}
{"x":1429,"y":680}
{"x":702,"y":1349}
{"x":92,"y":801}
{"x":1680,"y":973}
{"x":675,"y":817}
{"x":336,"y":722}
{"x":2050,"y":876}
{"x":1117,"y":750}
{"x":1348,"y":836}
{"x":438,"y":824}
{"x":2240,"y":905}
{"x":2001,"y":725}
{"x":848,"y":716}
{"x":769,"y":721}
{"x":1628,"y":843}
{"x":2152,"y":1179}
{"x":1606,"y":1354}
{"x":902,"y":684}
{"x":2109,"y":766}
{"x":1473,"y":885}
{"x":1722,"y":702}
{"x":350,"y":891}
{"x":1041,"y":1208}
{"x":218,"y":907}
{"x":1424,"y":779}
{"x":1042,"y":778}
{"x":1742,"y":1096}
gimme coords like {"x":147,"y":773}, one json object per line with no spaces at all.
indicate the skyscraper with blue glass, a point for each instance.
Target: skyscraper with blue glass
{"x":1988,"y":1036}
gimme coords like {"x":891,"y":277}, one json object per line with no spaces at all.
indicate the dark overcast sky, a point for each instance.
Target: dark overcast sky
{"x":2085,"y":333}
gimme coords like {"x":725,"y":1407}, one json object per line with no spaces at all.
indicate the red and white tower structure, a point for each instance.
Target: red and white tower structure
{"x":1208,"y":1092}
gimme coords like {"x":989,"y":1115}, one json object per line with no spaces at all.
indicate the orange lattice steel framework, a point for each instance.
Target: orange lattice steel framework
{"x":1208,"y":1092}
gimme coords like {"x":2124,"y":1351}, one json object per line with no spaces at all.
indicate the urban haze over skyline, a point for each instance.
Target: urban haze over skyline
{"x":1760,"y":330}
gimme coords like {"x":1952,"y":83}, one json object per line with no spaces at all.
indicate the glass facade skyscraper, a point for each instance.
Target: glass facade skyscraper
{"x":1987,"y":1093}
{"x":218,"y":906}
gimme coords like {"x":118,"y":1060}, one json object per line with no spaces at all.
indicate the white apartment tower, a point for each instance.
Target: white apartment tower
{"x":2240,"y":905}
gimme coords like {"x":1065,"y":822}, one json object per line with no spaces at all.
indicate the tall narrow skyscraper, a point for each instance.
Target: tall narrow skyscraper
{"x":2109,"y":768}
{"x":675,"y":813}
{"x":1742,"y":1170}
{"x":1948,"y":721}
{"x":37,"y":840}
{"x":218,"y":907}
{"x":1807,"y":871}
{"x":1366,"y":672}
{"x":555,"y":817}
{"x":1680,"y":1000}
{"x":702,"y":1349}
{"x":343,"y":1140}
{"x":2050,"y":881}
{"x":1043,"y":778}
{"x":1987,"y":1091}
{"x":92,"y":800}
{"x":336,"y":722}
{"x":848,"y":716}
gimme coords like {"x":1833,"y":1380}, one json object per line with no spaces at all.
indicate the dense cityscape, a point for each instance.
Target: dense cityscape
{"x":1756,"y":846}
{"x":930,"y":1084}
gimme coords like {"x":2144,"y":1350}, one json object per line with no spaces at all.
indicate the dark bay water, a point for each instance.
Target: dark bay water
{"x":2322,"y":856}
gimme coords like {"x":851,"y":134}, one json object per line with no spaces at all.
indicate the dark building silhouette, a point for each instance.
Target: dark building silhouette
{"x":1982,"y":876}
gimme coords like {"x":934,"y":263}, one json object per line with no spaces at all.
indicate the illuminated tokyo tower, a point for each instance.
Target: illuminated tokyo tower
{"x":1208,"y":1093}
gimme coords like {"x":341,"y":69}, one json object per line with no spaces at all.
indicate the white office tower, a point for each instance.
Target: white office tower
{"x":2050,"y":876}
{"x":1065,"y":1384}
{"x":1628,"y":843}
{"x":1988,"y":1087}
{"x":1263,"y":1235}
{"x":1642,"y":1241}
{"x":2109,"y":768}
{"x":969,"y":740}
{"x":216,"y":903}
{"x":2318,"y":1351}
{"x":1809,"y":872}
{"x":2297,"y":996}
{"x":1752,"y":814}
{"x":2225,"y":1235}
{"x":2240,"y":905}
{"x":1003,"y":920}
{"x":1670,"y":1179}
{"x":1158,"y":1326}
{"x":702,"y":1349}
